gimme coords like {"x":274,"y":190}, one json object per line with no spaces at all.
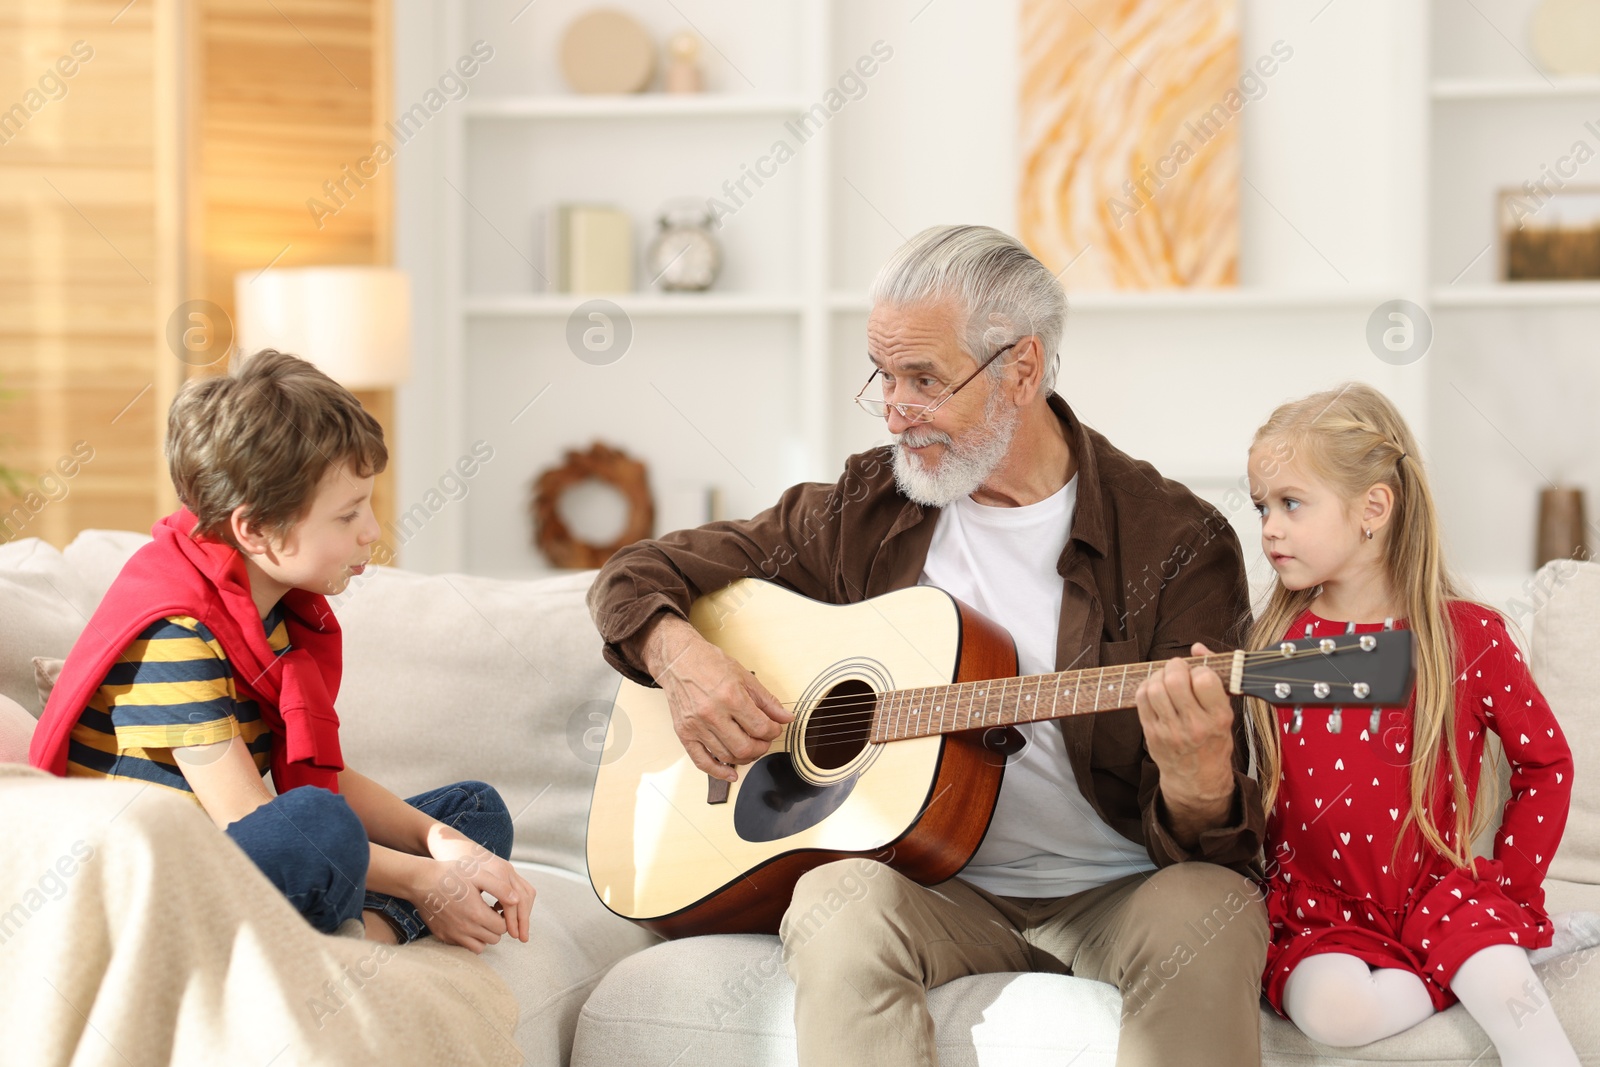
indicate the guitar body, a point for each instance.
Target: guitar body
{"x":663,"y":854}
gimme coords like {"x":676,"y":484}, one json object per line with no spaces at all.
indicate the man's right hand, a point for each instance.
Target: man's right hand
{"x":722,"y":715}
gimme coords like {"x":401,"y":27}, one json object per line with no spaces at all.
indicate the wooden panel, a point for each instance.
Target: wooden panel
{"x":88,"y":263}
{"x":293,"y":96}
{"x":96,"y":251}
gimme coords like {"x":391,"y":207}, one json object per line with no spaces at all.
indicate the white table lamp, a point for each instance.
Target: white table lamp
{"x":353,"y":323}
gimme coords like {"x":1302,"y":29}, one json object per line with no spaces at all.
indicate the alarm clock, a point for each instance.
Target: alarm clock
{"x":685,"y":256}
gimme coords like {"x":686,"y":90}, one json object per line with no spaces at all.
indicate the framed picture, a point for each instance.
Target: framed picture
{"x":1551,"y":236}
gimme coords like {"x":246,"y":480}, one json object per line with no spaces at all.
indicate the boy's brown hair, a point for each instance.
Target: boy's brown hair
{"x":264,"y":435}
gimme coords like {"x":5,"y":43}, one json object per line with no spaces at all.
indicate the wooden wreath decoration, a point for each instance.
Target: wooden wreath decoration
{"x":604,"y":464}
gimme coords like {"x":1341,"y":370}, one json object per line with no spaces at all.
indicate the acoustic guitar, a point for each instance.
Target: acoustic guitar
{"x":902,"y":708}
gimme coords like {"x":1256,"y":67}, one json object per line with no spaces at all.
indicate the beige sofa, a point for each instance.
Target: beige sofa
{"x":453,"y":677}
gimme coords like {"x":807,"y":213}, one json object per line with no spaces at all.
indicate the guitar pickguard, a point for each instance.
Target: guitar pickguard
{"x":775,"y":802}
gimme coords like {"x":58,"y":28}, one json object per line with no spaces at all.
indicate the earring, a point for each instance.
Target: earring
{"x":1368,"y":532}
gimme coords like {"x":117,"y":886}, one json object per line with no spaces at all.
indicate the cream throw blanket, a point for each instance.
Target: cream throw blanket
{"x":133,"y":933}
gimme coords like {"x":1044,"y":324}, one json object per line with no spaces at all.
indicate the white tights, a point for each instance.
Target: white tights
{"x":1336,"y":999}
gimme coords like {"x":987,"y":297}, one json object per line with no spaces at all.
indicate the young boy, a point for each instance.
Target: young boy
{"x":214,"y":657}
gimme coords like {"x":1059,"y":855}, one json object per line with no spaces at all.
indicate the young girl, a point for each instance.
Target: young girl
{"x":1380,"y":915}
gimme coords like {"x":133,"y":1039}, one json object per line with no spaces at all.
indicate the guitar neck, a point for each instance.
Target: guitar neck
{"x":944,"y":709}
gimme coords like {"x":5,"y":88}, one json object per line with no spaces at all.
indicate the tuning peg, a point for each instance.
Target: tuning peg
{"x":1299,"y":719}
{"x":1336,"y":719}
{"x":1377,"y":713}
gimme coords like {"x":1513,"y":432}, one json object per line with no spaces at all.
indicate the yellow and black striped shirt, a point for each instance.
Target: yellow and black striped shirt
{"x":172,"y":687}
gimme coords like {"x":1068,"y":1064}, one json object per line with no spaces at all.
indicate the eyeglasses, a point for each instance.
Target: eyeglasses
{"x":919,"y":413}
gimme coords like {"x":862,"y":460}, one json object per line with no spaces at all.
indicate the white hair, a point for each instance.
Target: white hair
{"x":1003,"y":290}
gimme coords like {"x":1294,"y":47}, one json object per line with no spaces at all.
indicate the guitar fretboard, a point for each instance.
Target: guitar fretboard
{"x":943,"y":709}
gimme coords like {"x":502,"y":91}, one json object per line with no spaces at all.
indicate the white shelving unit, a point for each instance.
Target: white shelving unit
{"x":561,"y":305}
{"x":1521,"y":88}
{"x":521,"y":143}
{"x":1192,"y":300}
{"x":1512,"y":384}
{"x":1368,"y":176}
{"x":656,"y":106}
{"x":1519,"y":295}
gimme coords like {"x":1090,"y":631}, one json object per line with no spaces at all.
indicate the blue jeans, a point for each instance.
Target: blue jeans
{"x":473,"y":808}
{"x":310,"y":844}
{"x":313,"y":848}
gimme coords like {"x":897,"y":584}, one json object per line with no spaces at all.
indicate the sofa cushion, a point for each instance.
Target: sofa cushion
{"x":16,"y":731}
{"x":728,"y":999}
{"x":573,"y":941}
{"x":451,"y":677}
{"x":43,"y":607}
{"x":96,"y":557}
{"x":46,"y":673}
{"x":1567,"y":669}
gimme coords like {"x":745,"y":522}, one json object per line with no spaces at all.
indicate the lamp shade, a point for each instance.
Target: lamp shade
{"x":353,"y":323}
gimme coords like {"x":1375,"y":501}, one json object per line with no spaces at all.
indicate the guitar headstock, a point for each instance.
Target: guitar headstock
{"x":1368,"y":670}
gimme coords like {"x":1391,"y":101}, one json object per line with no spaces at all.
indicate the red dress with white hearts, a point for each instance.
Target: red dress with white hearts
{"x":1336,"y":881}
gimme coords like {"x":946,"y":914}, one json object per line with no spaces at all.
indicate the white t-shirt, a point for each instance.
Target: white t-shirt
{"x":1045,"y":840}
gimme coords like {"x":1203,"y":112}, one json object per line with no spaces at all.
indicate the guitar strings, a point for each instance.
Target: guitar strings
{"x":840,"y":734}
{"x":1257,"y":676}
{"x":844,"y":706}
{"x":1216,"y":659}
{"x":838,"y":720}
{"x":839,"y":724}
{"x":847,"y":709}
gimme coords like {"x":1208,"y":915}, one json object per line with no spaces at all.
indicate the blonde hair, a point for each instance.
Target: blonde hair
{"x":1354,"y":438}
{"x":263,"y":435}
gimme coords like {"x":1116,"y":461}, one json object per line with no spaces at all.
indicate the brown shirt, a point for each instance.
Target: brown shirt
{"x":1148,"y":570}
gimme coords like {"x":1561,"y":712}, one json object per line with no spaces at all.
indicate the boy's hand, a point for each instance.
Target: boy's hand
{"x":453,"y":906}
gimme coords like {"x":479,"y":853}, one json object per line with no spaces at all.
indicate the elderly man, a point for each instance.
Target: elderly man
{"x":1117,"y":843}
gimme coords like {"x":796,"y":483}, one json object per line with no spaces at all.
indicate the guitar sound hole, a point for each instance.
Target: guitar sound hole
{"x":837,"y":730}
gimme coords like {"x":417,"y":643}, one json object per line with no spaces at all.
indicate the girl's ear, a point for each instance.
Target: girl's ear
{"x":1378,"y":508}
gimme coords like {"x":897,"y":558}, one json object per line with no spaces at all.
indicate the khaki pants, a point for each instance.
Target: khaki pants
{"x":1185,"y":945}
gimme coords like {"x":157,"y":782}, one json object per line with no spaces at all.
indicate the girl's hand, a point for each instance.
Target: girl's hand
{"x":470,"y":870}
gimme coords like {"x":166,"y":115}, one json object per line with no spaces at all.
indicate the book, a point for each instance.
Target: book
{"x":590,"y":249}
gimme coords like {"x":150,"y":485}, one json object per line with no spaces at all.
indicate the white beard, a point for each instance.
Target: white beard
{"x":963,"y":468}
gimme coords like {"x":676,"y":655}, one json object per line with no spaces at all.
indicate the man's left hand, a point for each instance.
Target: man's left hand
{"x":1188,"y":730}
